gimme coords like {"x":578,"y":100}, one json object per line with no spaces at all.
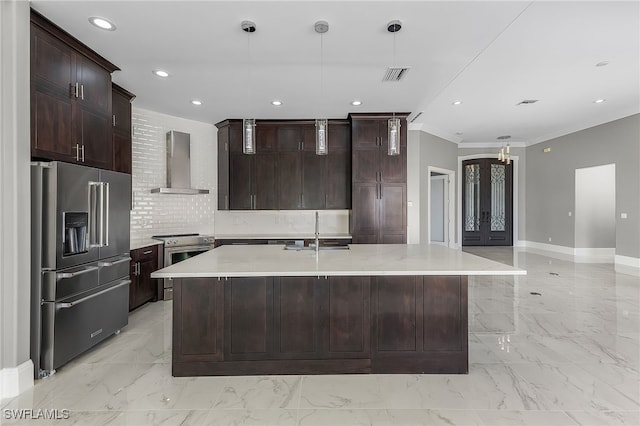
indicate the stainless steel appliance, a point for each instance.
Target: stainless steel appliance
{"x":179,"y":166}
{"x":79,"y":260}
{"x":180,"y":247}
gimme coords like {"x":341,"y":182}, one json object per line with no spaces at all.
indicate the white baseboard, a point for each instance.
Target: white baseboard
{"x":578,"y":255}
{"x":546,"y":247}
{"x":627,"y":265}
{"x":594,"y":255}
{"x":14,"y":381}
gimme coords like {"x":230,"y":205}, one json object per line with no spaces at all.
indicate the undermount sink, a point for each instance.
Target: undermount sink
{"x":298,"y":248}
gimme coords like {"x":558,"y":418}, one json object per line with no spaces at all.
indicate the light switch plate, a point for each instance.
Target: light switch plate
{"x":623,"y":215}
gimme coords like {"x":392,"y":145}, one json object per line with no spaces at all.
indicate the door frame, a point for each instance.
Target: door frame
{"x":451,"y":211}
{"x":515,"y":160}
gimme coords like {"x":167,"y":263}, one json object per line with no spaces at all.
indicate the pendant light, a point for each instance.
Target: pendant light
{"x":322,"y":127}
{"x":248,"y":124}
{"x":393,"y":125}
{"x":504,"y":154}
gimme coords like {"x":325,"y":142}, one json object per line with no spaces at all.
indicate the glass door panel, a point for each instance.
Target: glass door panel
{"x":472,"y":197}
{"x":498,"y":181}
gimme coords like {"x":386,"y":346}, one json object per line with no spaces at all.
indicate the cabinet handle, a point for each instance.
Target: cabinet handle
{"x":147,"y":252}
{"x":82,"y":149}
{"x":82,"y":92}
{"x":75,"y":90}
{"x":77,"y":152}
{"x":301,"y":145}
{"x":381,"y":192}
{"x":114,"y":120}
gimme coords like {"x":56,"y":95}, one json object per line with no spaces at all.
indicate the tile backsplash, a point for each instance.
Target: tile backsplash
{"x":155,"y":214}
{"x":281,"y":222}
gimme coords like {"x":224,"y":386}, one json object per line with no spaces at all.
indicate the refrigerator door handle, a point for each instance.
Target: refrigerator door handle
{"x":124,"y":259}
{"x":94,"y":210}
{"x":66,"y":305}
{"x":105,"y":203}
{"x":76,"y":273}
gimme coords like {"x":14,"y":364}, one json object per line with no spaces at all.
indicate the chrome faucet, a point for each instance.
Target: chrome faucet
{"x":317,"y":232}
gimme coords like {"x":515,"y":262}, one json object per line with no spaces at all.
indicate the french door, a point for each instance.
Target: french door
{"x":487,"y":203}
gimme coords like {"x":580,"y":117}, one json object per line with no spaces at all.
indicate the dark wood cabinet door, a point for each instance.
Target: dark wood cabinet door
{"x":289,"y":138}
{"x":393,"y":168}
{"x":121,"y":152}
{"x":393,"y":213}
{"x":349,"y":317}
{"x":51,"y":62}
{"x":146,"y":285}
{"x":297,"y":318}
{"x":396,"y":311}
{"x":338,"y":180}
{"x":314,"y":180}
{"x":289,"y":180}
{"x":366,"y":133}
{"x":223,"y":168}
{"x":95,"y":136}
{"x":240,"y":172}
{"x":264,"y":181}
{"x":198,"y":329}
{"x":133,"y":287}
{"x":248,"y":318}
{"x":121,"y":112}
{"x":366,"y":164}
{"x":95,"y":85}
{"x":365,"y":215}
{"x":52,"y":130}
{"x":266,"y":137}
{"x":445,"y":314}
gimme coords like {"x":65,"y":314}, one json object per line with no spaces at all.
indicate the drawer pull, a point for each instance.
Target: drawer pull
{"x":75,"y":274}
{"x":124,"y":259}
{"x":147,"y":252}
{"x":66,"y":305}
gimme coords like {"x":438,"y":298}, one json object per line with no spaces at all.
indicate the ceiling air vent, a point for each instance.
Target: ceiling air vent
{"x":527,"y":102}
{"x":395,"y":73}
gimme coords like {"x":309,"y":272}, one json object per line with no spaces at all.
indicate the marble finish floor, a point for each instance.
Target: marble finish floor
{"x":568,"y":355}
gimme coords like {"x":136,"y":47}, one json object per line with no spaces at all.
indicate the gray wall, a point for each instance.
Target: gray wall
{"x":550,"y":182}
{"x":14,"y":183}
{"x":521,"y":190}
{"x":436,"y":152}
{"x":437,"y":209}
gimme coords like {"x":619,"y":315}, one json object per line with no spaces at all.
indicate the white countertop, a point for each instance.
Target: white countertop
{"x":135,"y":244}
{"x":297,"y":236}
{"x":360,"y":260}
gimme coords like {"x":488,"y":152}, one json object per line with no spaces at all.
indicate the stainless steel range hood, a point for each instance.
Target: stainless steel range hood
{"x":179,"y":165}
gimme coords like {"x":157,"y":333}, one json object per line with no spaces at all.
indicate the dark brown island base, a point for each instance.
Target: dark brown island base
{"x":310,"y":325}
{"x":375,"y":308}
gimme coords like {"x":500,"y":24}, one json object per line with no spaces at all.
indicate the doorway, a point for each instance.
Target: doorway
{"x":595,"y":215}
{"x":487,"y":202}
{"x":439,"y":209}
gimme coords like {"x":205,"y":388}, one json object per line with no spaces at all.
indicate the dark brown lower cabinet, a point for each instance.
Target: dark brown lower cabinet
{"x":143,"y":288}
{"x":319,"y":325}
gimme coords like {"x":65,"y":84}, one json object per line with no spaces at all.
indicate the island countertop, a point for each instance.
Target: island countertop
{"x":359,"y":260}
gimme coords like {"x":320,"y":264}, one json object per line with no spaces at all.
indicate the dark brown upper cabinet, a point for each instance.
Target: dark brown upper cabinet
{"x":379,"y":205}
{"x":70,"y":98}
{"x":121,"y":121}
{"x":285,"y":173}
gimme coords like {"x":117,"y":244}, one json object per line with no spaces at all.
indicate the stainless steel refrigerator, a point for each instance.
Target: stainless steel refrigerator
{"x":79,"y":260}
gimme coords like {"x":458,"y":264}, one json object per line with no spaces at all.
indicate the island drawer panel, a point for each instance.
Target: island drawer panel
{"x":297,"y":317}
{"x":249,"y":318}
{"x":349,"y":316}
{"x":445,"y":313}
{"x":198,"y":329}
{"x":396,"y":320}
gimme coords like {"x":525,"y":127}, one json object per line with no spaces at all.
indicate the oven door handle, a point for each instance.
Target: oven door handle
{"x":66,"y":305}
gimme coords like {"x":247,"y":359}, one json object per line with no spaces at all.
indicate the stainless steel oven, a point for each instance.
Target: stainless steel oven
{"x":181,"y":247}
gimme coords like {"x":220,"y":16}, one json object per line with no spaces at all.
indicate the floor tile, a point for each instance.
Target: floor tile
{"x":260,"y":392}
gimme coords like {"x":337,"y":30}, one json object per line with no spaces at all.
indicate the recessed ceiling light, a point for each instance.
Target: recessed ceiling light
{"x":504,"y":137}
{"x":356,"y":103}
{"x":276,"y":103}
{"x":599,"y":101}
{"x":459,"y":133}
{"x":196,"y":102}
{"x":102,"y":23}
{"x":161,"y":73}
{"x":602,"y":64}
{"x":456,"y":102}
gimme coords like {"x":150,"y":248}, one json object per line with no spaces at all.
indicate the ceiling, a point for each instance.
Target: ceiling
{"x":488,"y":55}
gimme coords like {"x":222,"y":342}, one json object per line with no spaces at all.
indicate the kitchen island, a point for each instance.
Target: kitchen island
{"x":392,"y":308}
